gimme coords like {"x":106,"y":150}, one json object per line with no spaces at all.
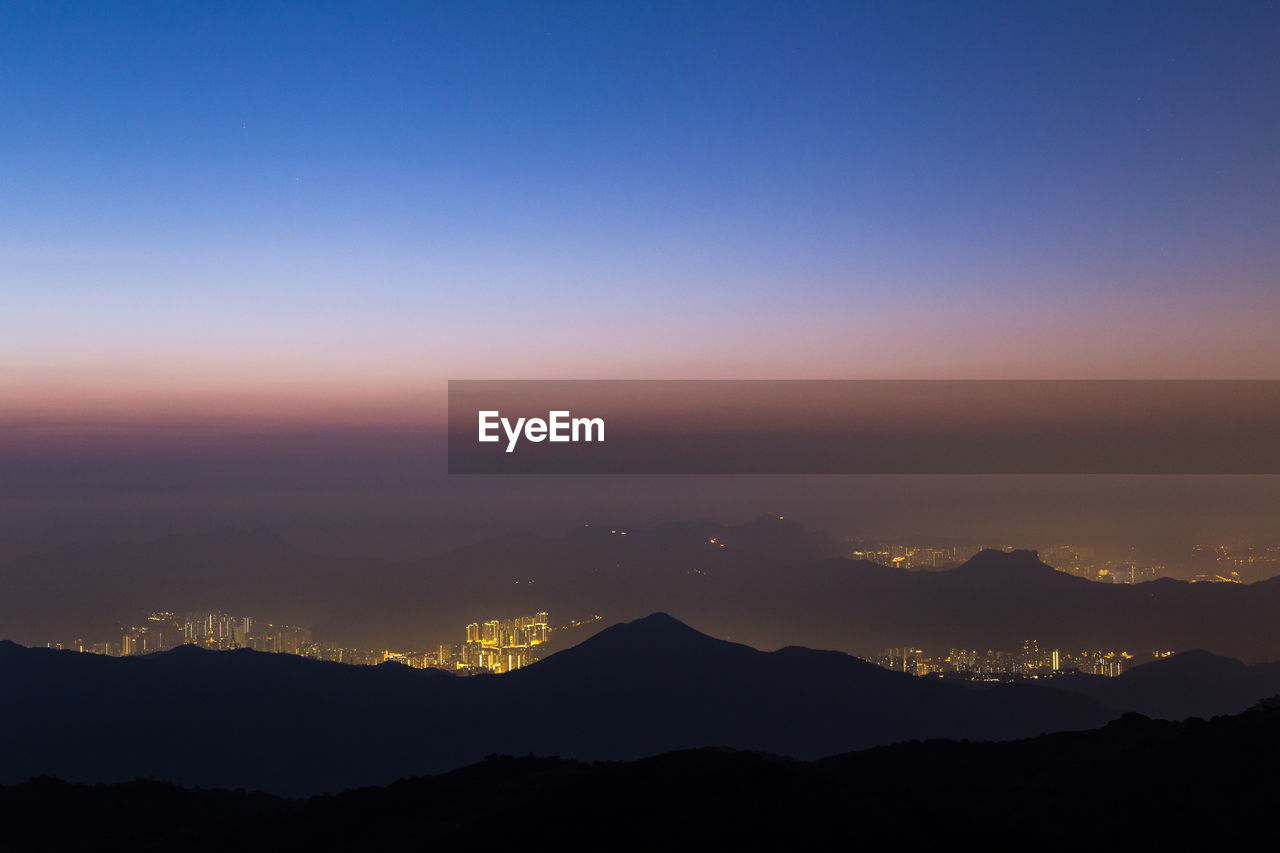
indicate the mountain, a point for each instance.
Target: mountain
{"x":1191,"y":684}
{"x":655,"y":684}
{"x":998,"y":599}
{"x":1134,"y":783}
{"x":767,"y":583}
{"x":296,"y":726}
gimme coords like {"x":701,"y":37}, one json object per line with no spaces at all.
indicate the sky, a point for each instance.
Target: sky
{"x":239,"y":215}
{"x":243,"y":246}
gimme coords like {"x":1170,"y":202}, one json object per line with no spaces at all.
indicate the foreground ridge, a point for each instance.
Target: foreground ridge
{"x":915,"y":791}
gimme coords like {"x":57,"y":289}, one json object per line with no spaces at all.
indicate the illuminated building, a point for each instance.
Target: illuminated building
{"x":504,"y":645}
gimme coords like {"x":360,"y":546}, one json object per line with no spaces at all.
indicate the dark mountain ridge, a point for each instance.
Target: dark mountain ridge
{"x":1191,"y":684}
{"x":1134,"y":783}
{"x":291,"y":725}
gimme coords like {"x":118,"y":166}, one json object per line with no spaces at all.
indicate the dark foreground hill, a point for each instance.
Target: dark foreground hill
{"x":1134,"y":784}
{"x":289,"y":725}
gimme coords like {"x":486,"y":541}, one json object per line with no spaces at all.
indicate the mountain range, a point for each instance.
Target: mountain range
{"x":290,"y":725}
{"x":767,"y":583}
{"x":1135,"y":783}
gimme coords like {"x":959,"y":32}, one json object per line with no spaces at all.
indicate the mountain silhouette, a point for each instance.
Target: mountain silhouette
{"x":1134,"y":783}
{"x":1191,"y":684}
{"x":290,"y":725}
{"x":770,"y":585}
{"x":997,"y":600}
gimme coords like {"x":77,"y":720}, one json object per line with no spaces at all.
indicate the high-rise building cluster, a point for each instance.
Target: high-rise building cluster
{"x":506,"y":645}
{"x":1031,"y":661}
{"x":1085,"y":562}
{"x":163,"y":630}
{"x":496,"y":645}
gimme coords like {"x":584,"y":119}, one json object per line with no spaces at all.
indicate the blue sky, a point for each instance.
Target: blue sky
{"x":202,"y":201}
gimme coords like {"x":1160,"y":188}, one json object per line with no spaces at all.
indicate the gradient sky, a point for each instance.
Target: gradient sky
{"x":250,"y":213}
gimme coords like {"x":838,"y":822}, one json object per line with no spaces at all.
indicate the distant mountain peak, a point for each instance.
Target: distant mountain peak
{"x":186,"y":651}
{"x":656,"y":627}
{"x":992,"y":561}
{"x":642,"y":642}
{"x":1186,"y":664}
{"x":658,"y":619}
